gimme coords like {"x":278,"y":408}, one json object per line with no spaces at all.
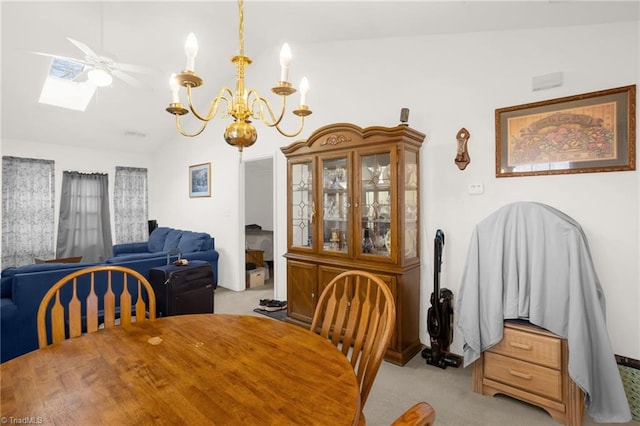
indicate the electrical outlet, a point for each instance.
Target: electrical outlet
{"x":475,"y":188}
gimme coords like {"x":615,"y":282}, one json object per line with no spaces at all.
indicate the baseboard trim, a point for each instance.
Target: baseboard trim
{"x":628,"y":362}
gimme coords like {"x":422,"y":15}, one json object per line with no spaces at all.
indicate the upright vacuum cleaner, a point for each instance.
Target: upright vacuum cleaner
{"x":440,"y":316}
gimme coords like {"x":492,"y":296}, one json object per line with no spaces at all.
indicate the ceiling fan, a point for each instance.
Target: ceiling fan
{"x":98,"y":69}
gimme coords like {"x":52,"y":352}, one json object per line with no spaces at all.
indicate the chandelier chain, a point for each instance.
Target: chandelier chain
{"x":241,"y":27}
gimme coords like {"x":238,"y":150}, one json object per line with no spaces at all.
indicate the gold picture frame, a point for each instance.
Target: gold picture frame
{"x":588,"y":133}
{"x":200,"y":180}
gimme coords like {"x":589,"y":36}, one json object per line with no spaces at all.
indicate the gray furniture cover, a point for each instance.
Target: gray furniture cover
{"x":531,"y":261}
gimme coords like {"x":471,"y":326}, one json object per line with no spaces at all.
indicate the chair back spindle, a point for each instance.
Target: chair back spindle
{"x":109,"y":304}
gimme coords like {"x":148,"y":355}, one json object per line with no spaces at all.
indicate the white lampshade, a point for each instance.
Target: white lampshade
{"x":100,"y":77}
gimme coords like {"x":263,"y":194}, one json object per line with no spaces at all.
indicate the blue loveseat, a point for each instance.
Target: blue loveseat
{"x":22,"y":288}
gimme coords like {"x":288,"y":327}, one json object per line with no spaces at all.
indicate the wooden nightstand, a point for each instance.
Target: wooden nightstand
{"x":531,"y":364}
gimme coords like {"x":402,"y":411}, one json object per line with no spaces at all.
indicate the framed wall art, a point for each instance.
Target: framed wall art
{"x":588,"y":133}
{"x":200,"y":180}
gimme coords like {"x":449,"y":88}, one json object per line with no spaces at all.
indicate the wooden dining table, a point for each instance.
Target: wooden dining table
{"x":189,"y":369}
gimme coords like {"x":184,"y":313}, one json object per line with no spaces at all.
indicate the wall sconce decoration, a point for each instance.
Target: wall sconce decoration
{"x":462,"y":157}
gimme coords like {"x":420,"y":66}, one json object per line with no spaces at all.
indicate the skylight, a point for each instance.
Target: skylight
{"x":66,"y":85}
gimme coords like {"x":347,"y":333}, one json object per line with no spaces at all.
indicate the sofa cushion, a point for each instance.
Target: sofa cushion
{"x":40,"y":267}
{"x":135,"y":256}
{"x":6,"y":281}
{"x":192,"y":241}
{"x":127,"y":248}
{"x":157,"y":238}
{"x":172,"y":240}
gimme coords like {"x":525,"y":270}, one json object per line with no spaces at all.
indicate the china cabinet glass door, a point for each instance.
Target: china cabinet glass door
{"x":411,"y":205}
{"x":301,"y":204}
{"x":335,"y":205}
{"x":375,"y":204}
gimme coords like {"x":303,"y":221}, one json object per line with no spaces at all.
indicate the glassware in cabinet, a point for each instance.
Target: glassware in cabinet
{"x":411,"y":203}
{"x":375,"y":204}
{"x":335,"y":205}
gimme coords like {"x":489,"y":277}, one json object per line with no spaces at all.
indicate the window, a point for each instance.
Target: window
{"x":84,"y":228}
{"x":64,"y":87}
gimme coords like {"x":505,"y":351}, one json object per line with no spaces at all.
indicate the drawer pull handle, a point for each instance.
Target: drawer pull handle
{"x":519,"y":374}
{"x":520,"y":346}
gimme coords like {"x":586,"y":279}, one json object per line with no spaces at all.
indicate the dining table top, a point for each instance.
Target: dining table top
{"x":197,"y":369}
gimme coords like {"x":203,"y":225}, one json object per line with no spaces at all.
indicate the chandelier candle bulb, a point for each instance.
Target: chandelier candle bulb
{"x":173,"y":84}
{"x":285,"y":61}
{"x":191,"y":49}
{"x":304,"y":88}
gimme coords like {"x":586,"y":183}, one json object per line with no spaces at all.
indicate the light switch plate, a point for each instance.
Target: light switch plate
{"x":475,"y":188}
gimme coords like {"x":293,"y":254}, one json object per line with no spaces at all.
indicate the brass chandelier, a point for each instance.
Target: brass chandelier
{"x":242,"y":104}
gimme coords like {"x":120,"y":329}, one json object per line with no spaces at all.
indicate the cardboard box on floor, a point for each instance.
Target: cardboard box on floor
{"x":255,"y":277}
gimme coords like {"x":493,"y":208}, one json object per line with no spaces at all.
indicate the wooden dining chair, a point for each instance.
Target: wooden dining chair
{"x":66,"y":311}
{"x":420,"y":414}
{"x":356,"y":311}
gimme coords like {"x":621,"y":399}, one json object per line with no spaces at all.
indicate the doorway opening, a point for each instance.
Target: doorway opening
{"x":259,"y":217}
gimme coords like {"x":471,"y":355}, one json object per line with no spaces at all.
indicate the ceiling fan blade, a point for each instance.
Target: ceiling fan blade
{"x":85,"y":49}
{"x":132,"y":68}
{"x":65,"y":58}
{"x":127,"y":78}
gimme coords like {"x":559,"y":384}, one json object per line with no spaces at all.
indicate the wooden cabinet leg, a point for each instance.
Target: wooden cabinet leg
{"x":478,"y":374}
{"x":574,"y":405}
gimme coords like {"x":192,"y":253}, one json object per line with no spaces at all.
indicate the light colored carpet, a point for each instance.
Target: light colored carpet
{"x":397,"y":388}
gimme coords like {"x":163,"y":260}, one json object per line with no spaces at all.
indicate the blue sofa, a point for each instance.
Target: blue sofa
{"x":192,"y":246}
{"x":22,"y":288}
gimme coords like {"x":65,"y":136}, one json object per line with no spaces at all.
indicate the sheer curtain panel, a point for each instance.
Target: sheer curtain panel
{"x":28,"y":200}
{"x":130,"y":205}
{"x":84,"y":228}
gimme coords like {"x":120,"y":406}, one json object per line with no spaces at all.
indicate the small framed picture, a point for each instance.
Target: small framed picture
{"x":588,"y":133}
{"x":200,"y":180}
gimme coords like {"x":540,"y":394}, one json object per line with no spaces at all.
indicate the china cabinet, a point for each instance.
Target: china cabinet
{"x":353,"y":203}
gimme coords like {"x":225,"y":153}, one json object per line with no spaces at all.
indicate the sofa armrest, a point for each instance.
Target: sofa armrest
{"x":129,"y":248}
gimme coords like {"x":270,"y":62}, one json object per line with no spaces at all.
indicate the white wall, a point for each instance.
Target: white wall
{"x":258,"y":194}
{"x":218,"y":215}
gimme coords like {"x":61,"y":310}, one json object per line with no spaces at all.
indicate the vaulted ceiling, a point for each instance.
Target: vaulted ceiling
{"x":152,"y":34}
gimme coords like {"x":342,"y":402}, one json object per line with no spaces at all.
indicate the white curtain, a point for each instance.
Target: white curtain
{"x":28,"y":199}
{"x":130,"y":205}
{"x":84,"y":228}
